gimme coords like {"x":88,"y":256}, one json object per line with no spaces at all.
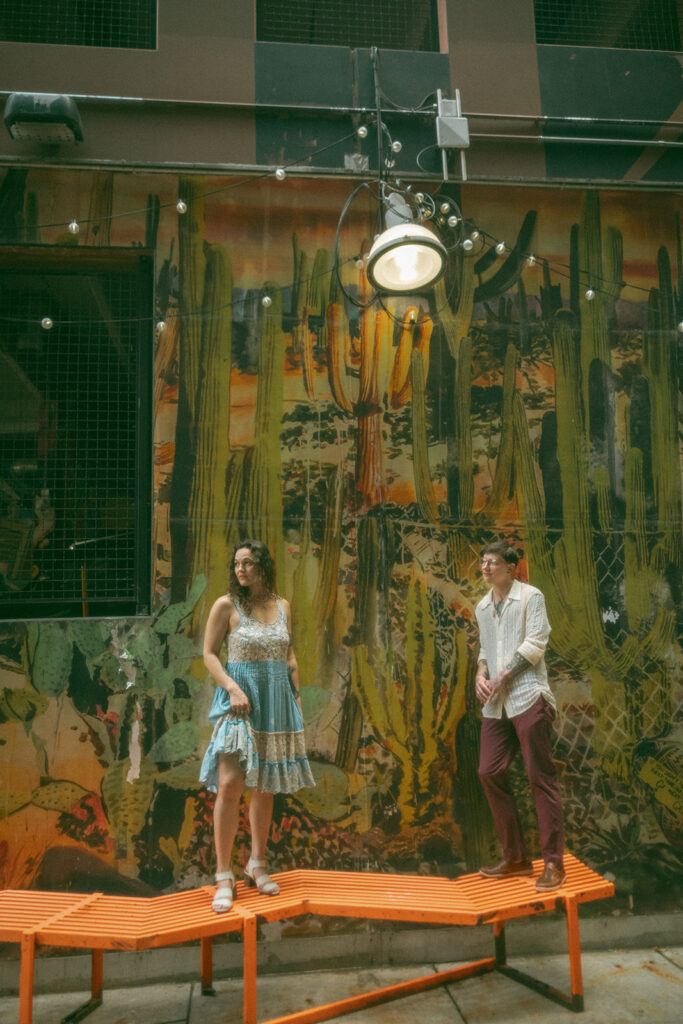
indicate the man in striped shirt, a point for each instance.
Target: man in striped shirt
{"x":518,"y":710}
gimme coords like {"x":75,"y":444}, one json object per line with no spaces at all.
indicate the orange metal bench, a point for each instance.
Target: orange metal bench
{"x":98,"y":922}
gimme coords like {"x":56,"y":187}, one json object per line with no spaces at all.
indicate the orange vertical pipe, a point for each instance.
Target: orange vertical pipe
{"x":207,"y":962}
{"x":574,"y":942}
{"x":97,"y":973}
{"x":28,"y":951}
{"x":250,"y":965}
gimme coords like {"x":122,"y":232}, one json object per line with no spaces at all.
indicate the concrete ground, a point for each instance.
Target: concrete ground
{"x":620,"y":987}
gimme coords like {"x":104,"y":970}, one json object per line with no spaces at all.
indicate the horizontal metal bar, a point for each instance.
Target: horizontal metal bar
{"x":578,"y":140}
{"x":342,"y":110}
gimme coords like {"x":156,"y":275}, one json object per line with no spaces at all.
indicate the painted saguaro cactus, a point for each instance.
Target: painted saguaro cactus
{"x":619,"y":645}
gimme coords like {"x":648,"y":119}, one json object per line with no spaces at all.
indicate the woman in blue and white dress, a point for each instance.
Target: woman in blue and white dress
{"x":258,"y":736}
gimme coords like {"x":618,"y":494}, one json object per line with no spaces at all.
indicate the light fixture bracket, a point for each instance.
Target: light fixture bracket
{"x":452,"y":130}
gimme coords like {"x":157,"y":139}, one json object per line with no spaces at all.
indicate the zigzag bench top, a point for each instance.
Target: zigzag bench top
{"x":98,"y":921}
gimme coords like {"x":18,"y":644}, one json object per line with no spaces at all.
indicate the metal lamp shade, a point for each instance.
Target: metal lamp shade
{"x":405,"y":258}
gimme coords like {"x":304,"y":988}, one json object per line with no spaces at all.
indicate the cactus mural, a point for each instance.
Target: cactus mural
{"x":375,"y":448}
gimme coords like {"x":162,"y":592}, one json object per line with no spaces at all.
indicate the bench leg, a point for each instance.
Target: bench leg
{"x":499,"y":943}
{"x":28,"y":953}
{"x":207,"y":966}
{"x":574,"y":943}
{"x":570,"y":1002}
{"x":96,"y":985}
{"x":250,"y":968}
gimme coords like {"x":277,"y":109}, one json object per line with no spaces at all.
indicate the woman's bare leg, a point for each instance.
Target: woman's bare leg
{"x":226,"y":809}
{"x":260,"y":817}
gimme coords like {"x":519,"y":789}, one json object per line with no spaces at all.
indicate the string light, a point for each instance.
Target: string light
{"x":680,"y":327}
{"x":474,"y":235}
{"x":396,"y":146}
{"x":46,"y":323}
{"x":161,"y":326}
{"x":266,"y":302}
{"x":280,"y":173}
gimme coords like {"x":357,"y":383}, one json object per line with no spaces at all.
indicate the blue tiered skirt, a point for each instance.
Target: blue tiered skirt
{"x":270,"y":742}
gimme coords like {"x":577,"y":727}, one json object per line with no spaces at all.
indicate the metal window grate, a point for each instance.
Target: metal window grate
{"x":387,"y":24}
{"x":127,"y":24}
{"x":73,"y":478}
{"x":620,"y":24}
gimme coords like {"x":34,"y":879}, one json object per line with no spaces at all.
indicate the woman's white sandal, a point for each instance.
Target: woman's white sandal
{"x":264,"y":883}
{"x":225,"y":894}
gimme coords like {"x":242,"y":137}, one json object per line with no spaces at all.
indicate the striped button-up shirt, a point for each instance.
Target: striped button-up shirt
{"x":522,"y":626}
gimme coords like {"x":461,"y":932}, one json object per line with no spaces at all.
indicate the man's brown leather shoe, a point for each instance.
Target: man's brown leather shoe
{"x":508,"y":869}
{"x":553,"y":877}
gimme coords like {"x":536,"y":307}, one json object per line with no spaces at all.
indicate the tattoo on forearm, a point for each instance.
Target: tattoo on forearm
{"x":518,"y":664}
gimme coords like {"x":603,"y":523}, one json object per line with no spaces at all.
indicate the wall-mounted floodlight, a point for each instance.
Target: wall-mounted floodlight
{"x":407,"y":256}
{"x":43,"y":117}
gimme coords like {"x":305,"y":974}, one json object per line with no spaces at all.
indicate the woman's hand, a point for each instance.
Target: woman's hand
{"x":239,"y":702}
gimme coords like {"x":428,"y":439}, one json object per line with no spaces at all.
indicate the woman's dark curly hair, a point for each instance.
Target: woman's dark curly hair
{"x":264,"y":564}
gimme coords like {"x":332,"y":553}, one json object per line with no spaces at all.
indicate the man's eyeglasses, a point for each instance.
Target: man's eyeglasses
{"x":490,"y":562}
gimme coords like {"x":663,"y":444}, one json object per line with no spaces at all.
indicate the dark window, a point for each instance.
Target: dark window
{"x":75,"y":449}
{"x":120,"y":23}
{"x":386,"y":24}
{"x":620,"y":24}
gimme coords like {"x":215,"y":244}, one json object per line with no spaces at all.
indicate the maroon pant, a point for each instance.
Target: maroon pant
{"x":501,"y":738}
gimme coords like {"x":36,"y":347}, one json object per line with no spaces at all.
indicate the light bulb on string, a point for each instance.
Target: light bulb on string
{"x":500,"y":248}
{"x":453,"y":221}
{"x":474,"y":235}
{"x":280,"y":174}
{"x":445,"y":208}
{"x":46,"y":323}
{"x":680,"y":327}
{"x":266,"y":302}
{"x":531,"y":260}
{"x":396,"y":146}
{"x":468,"y":245}
{"x":181,"y":206}
{"x":161,"y":326}
{"x":74,"y":227}
{"x":362,"y":132}
{"x":590,"y":294}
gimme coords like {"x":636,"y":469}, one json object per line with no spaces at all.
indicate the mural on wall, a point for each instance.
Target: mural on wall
{"x":375,"y":450}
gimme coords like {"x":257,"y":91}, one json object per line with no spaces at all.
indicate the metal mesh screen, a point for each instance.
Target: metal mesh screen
{"x":71,"y":475}
{"x":620,"y":24}
{"x":116,"y":23}
{"x":387,"y":24}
